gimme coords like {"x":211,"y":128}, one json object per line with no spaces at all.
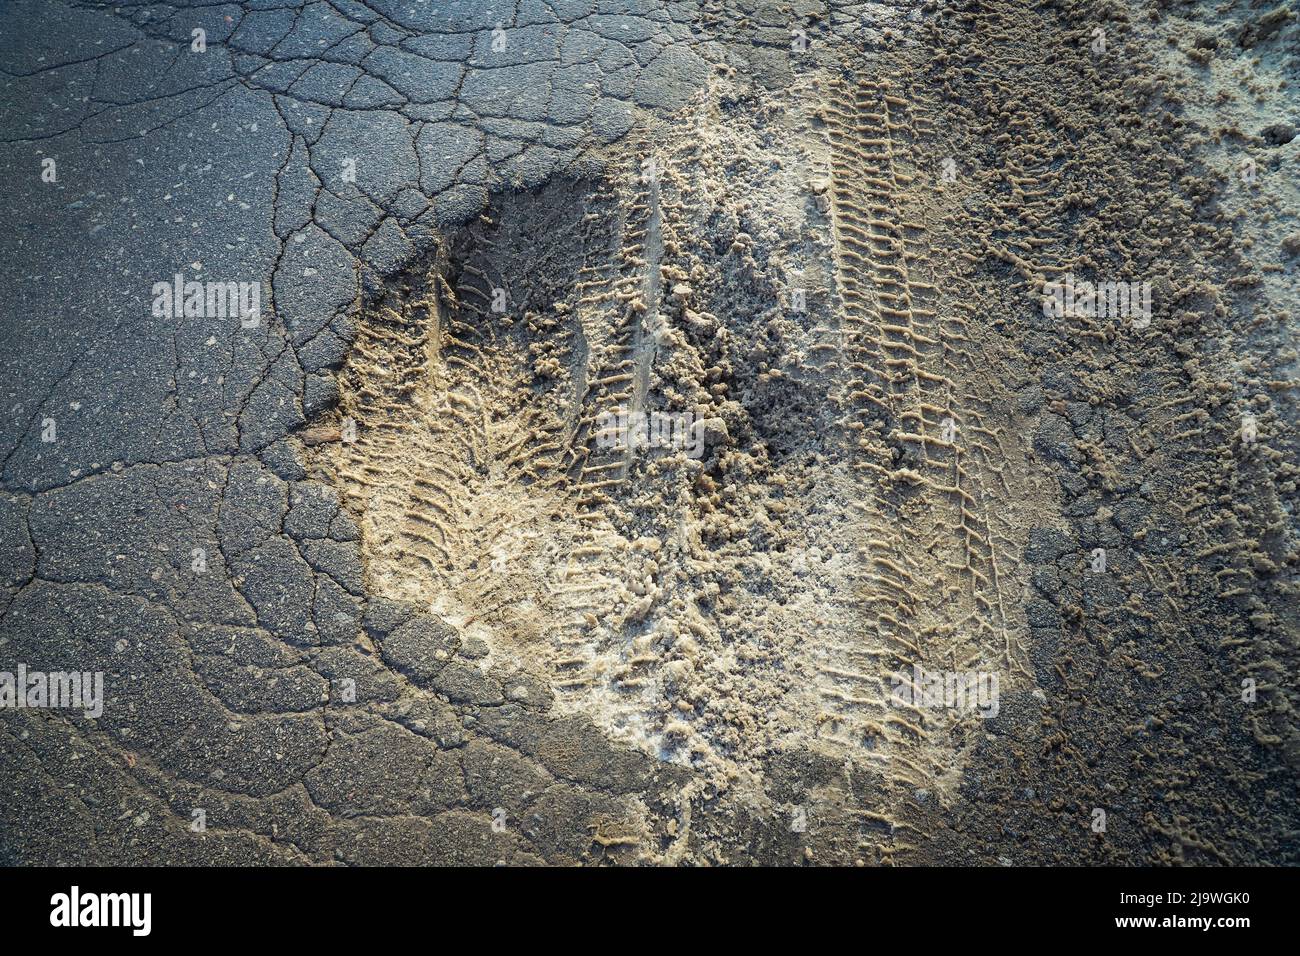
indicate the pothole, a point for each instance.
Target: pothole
{"x":801,"y":517}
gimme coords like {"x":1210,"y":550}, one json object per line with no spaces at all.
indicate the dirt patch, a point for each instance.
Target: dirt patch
{"x":868,"y":448}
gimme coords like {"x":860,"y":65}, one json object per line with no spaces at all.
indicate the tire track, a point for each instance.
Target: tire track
{"x":919,"y":410}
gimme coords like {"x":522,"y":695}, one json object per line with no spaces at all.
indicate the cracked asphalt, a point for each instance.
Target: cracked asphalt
{"x":229,"y":164}
{"x":158,"y":518}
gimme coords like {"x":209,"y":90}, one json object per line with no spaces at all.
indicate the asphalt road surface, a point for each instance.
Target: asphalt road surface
{"x":314,"y":316}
